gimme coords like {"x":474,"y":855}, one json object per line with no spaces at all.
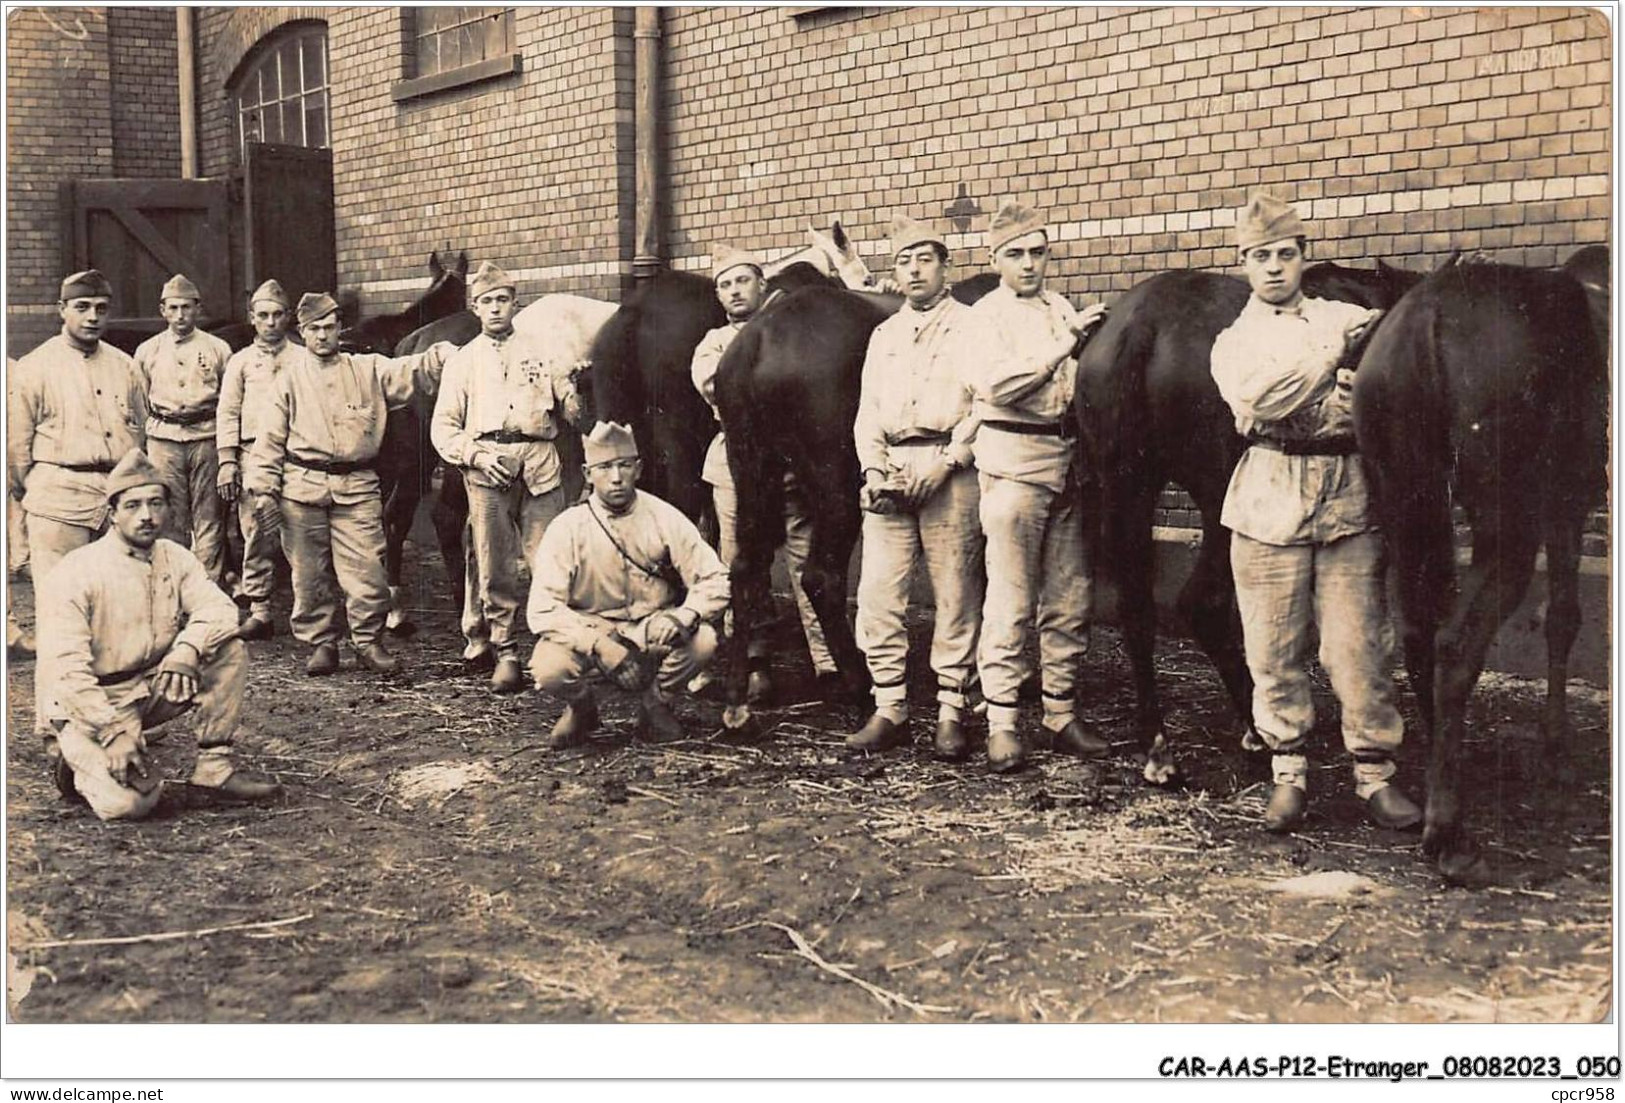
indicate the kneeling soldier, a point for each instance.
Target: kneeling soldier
{"x":607,"y":595}
{"x":132,"y":633}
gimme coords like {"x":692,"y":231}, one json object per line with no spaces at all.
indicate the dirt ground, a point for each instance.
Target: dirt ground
{"x":430,"y":861}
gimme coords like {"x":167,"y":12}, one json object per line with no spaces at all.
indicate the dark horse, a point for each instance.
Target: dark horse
{"x":406,"y":459}
{"x":1485,"y":388}
{"x":641,"y":360}
{"x":1150,"y":414}
{"x":788,"y":390}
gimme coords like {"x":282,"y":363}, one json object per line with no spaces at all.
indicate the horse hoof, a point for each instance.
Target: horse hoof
{"x":1161,"y":772}
{"x":1466,"y":868}
{"x":401,"y":626}
{"x":739,"y":725}
{"x":1250,"y":741}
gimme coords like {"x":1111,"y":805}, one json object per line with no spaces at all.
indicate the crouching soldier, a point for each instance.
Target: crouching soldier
{"x":132,"y":633}
{"x":622,"y":587}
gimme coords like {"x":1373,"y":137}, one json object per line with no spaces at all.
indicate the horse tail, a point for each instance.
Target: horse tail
{"x":614,"y":377}
{"x":1403,"y":419}
{"x":1114,"y":423}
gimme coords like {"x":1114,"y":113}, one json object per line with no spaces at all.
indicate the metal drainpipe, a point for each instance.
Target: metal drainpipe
{"x":186,"y":59}
{"x":646,"y":261}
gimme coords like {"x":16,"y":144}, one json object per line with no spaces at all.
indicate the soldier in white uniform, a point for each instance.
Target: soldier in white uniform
{"x":132,"y":633}
{"x":183,"y":366}
{"x":317,"y":455}
{"x":742,"y":290}
{"x":1304,"y":546}
{"x":496,"y":417}
{"x":1020,"y":340}
{"x":245,"y":408}
{"x":76,"y":406}
{"x":623,"y":588}
{"x":913,"y":433}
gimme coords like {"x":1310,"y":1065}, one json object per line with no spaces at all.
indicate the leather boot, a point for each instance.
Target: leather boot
{"x":241,"y":786}
{"x":657,"y":723}
{"x":19,"y":644}
{"x":61,"y":772}
{"x":1285,"y":809}
{"x":256,"y":627}
{"x":323,"y":660}
{"x":879,"y":733}
{"x":578,"y":721}
{"x":377,"y":660}
{"x":759,"y":688}
{"x":1075,"y":739}
{"x":509,"y":676}
{"x":951,"y":742}
{"x":1391,"y":808}
{"x":1005,"y":751}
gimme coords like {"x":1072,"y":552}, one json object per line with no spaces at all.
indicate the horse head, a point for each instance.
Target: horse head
{"x":840,"y":253}
{"x":1379,"y":287}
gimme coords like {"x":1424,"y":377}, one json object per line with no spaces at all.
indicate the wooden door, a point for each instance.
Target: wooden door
{"x":141,"y":232}
{"x":288,"y":219}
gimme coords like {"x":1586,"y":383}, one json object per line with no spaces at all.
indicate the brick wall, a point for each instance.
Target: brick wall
{"x":58,"y":127}
{"x":145,"y":92}
{"x":531,"y":170}
{"x":1402,"y":133}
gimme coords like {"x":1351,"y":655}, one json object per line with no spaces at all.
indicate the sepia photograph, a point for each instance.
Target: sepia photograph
{"x":763,"y":515}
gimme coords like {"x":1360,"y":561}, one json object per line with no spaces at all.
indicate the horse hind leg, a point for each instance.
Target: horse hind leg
{"x":1128,"y":547}
{"x":824,"y":579}
{"x":1491,"y":588}
{"x":1208,"y":602}
{"x":1563,"y":537}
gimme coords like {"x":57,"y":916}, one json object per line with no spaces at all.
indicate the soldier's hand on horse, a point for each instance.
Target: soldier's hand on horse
{"x":1089,"y":315}
{"x":1355,"y":332}
{"x":622,"y":662}
{"x":227,"y":482}
{"x":178,"y":675}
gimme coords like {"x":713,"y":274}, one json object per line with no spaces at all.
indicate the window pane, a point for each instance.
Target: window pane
{"x":272,"y":125}
{"x":253,"y":130}
{"x":270,"y":88}
{"x":288,"y":54}
{"x":428,"y":55}
{"x":450,"y":55}
{"x":293,"y":129}
{"x":496,"y":36}
{"x":316,"y":120}
{"x":315,"y":75}
{"x":471,"y":43}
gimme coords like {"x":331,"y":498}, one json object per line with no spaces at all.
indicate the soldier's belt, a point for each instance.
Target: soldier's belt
{"x":510,"y":436}
{"x":1066,"y":430}
{"x":333,"y":467}
{"x":118,"y":676}
{"x":103,"y":467}
{"x":918,"y":436}
{"x":196,"y":417}
{"x":1341,"y":444}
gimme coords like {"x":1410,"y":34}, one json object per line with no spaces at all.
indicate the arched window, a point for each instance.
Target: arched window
{"x":281,"y":95}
